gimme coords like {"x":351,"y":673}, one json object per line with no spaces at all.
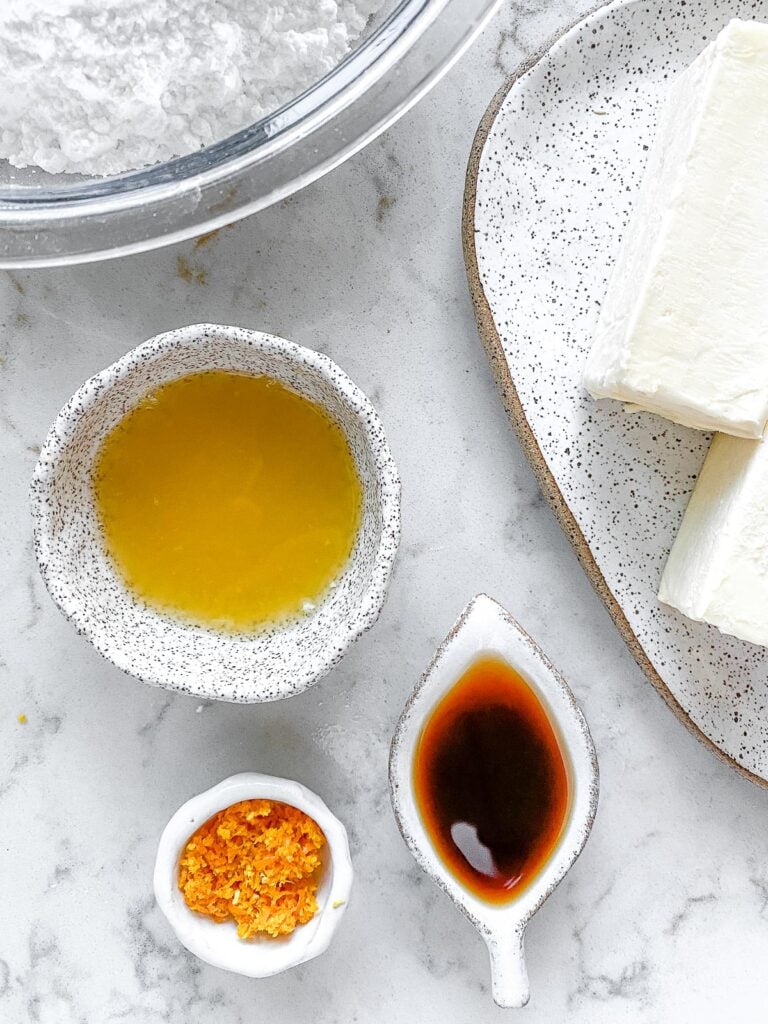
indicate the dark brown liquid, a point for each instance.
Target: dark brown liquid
{"x":491,"y":781}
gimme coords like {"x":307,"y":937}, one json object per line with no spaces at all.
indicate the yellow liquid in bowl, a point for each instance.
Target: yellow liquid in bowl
{"x":228,"y":500}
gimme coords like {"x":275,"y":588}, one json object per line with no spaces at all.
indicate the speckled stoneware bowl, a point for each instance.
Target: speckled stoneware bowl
{"x":218,"y":944}
{"x":552,"y":180}
{"x":486,"y":628}
{"x":166,"y":651}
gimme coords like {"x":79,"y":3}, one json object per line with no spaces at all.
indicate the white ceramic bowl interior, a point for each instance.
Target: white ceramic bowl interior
{"x":161,"y":649}
{"x":485,"y":628}
{"x":218,"y":943}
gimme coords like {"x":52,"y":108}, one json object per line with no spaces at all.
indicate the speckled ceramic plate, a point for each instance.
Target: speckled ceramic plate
{"x":552,"y":178}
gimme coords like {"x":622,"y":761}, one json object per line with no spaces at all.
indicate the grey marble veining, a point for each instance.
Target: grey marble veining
{"x":664,"y":917}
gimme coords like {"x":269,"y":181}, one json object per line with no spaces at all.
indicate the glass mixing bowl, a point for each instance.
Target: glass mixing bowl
{"x":59,"y":219}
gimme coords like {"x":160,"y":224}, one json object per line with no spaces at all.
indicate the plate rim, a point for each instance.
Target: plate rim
{"x":505,"y":384}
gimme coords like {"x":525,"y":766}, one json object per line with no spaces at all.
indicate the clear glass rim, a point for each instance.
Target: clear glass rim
{"x":364,"y":64}
{"x":376,"y":84}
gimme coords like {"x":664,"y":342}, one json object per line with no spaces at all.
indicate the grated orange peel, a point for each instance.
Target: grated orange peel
{"x":256,"y":863}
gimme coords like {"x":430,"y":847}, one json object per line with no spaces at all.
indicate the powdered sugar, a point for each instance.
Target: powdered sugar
{"x":103,"y":86}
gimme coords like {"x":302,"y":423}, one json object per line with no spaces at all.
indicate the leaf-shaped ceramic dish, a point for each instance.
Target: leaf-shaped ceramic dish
{"x":552,"y":179}
{"x":485,"y":628}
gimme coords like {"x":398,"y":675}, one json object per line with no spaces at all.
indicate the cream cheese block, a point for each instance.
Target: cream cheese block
{"x":683,"y":330}
{"x":717,"y":570}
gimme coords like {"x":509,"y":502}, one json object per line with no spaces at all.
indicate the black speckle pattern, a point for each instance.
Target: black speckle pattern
{"x":556,"y":182}
{"x":163,"y":651}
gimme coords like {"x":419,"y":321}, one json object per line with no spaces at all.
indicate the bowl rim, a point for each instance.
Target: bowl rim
{"x":64,"y":429}
{"x":196,"y":811}
{"x":370,"y":57}
{"x":388,"y":72}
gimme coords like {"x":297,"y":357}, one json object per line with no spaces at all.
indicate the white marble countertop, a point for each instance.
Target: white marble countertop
{"x":664,"y":917}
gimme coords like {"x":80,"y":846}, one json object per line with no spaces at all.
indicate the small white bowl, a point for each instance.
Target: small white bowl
{"x":166,"y":651}
{"x":218,"y":943}
{"x":486,"y":628}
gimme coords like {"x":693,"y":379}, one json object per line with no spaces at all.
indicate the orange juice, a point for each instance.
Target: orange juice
{"x":228,"y":500}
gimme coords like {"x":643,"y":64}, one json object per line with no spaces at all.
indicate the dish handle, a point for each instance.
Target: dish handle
{"x":509,"y":975}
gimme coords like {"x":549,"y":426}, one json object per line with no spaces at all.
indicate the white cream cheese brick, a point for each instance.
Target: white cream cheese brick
{"x":717,"y":571}
{"x":683,"y":330}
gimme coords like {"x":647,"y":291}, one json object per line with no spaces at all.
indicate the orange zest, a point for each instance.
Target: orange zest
{"x":256,"y":863}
